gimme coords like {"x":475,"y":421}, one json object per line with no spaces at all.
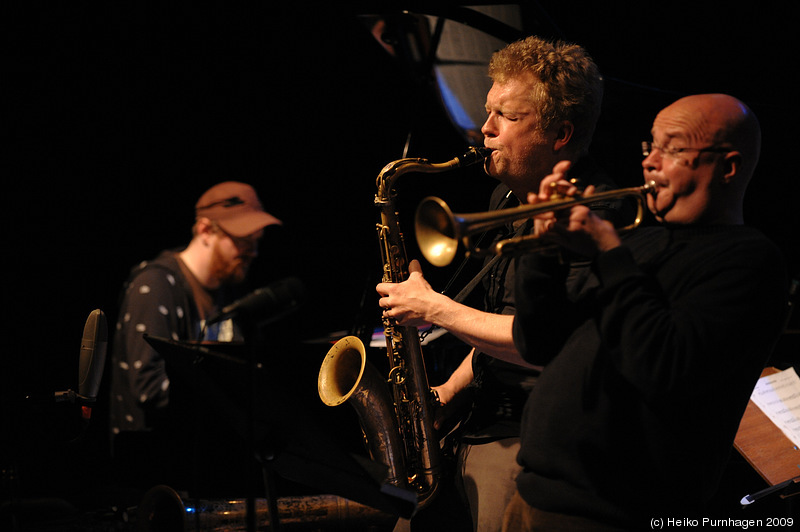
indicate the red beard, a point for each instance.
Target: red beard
{"x":229,"y":271}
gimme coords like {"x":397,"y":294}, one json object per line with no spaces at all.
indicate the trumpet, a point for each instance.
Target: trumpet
{"x":439,"y":230}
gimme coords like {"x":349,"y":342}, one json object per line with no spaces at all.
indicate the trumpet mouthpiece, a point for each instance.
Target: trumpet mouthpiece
{"x":650,"y":188}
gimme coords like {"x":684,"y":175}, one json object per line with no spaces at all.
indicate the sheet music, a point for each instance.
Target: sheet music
{"x":778,"y":396}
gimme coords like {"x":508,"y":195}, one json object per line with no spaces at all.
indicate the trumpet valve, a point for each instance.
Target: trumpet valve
{"x":556,"y":189}
{"x":554,"y":194}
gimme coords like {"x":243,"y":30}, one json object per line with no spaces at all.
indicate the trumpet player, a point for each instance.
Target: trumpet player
{"x":542,"y":108}
{"x":651,"y":354}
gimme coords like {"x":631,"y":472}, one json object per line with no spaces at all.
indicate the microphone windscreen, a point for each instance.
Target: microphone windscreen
{"x":93,"y":354}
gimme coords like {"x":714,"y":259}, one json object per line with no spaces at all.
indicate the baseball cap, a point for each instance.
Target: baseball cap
{"x":235,"y":207}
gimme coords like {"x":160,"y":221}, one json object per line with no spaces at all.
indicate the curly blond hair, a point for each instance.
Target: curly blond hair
{"x":569,"y":84}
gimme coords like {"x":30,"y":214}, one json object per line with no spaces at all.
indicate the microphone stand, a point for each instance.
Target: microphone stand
{"x":251,"y":524}
{"x":73,"y":397}
{"x":259,"y":458}
{"x":251,"y":438}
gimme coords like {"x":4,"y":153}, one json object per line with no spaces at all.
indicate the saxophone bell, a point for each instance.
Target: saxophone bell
{"x":347,"y":376}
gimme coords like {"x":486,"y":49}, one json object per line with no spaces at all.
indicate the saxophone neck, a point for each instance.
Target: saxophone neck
{"x":395,"y":169}
{"x":473,"y":156}
{"x":392,"y":171}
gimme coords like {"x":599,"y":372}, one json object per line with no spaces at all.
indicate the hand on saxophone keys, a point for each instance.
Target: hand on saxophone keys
{"x":410,"y":302}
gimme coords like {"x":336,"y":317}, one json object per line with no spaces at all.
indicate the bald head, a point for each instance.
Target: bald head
{"x":724,"y":121}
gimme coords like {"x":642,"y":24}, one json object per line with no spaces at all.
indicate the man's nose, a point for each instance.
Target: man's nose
{"x":488,"y":128}
{"x":652,"y":161}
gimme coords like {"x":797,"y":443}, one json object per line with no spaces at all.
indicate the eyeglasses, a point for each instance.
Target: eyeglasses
{"x":648,"y":147}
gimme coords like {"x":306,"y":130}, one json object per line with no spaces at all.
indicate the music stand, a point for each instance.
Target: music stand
{"x":767,"y":449}
{"x":286,"y":439}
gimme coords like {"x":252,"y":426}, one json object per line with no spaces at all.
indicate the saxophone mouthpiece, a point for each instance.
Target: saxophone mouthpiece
{"x":474,"y":155}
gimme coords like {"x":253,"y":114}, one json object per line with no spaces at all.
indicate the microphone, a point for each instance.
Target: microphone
{"x":93,"y":355}
{"x":90,"y":365}
{"x":92,"y":360}
{"x":266,"y":304}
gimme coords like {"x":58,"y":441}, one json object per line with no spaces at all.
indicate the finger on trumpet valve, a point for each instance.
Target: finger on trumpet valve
{"x":560,"y":189}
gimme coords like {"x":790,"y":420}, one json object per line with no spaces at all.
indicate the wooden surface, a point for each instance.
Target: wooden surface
{"x":765,"y":446}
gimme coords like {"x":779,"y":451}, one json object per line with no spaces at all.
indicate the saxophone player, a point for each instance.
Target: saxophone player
{"x":542,"y":108}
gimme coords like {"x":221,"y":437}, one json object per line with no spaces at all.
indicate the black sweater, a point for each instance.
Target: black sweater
{"x":651,"y":354}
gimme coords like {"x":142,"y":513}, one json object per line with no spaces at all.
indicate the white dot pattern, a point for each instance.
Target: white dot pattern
{"x":156,"y":307}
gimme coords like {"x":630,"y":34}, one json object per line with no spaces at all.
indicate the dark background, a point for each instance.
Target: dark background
{"x":120,"y":116}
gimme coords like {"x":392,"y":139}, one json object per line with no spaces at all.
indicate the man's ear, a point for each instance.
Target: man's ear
{"x":564,"y":133}
{"x":204,"y":228}
{"x":731,"y":166}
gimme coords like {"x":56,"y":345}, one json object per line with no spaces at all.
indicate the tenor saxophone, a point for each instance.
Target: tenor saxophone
{"x":396,"y":413}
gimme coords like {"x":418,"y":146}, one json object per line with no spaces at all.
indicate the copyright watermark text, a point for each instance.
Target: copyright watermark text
{"x":665,"y":523}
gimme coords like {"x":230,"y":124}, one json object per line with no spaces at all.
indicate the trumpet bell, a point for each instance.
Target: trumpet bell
{"x":436,"y":232}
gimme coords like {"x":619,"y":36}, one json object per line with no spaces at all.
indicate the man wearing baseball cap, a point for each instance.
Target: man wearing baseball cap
{"x":230,"y":216}
{"x":173,"y":295}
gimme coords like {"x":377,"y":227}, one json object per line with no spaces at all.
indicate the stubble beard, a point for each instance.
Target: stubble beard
{"x":229,"y":272}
